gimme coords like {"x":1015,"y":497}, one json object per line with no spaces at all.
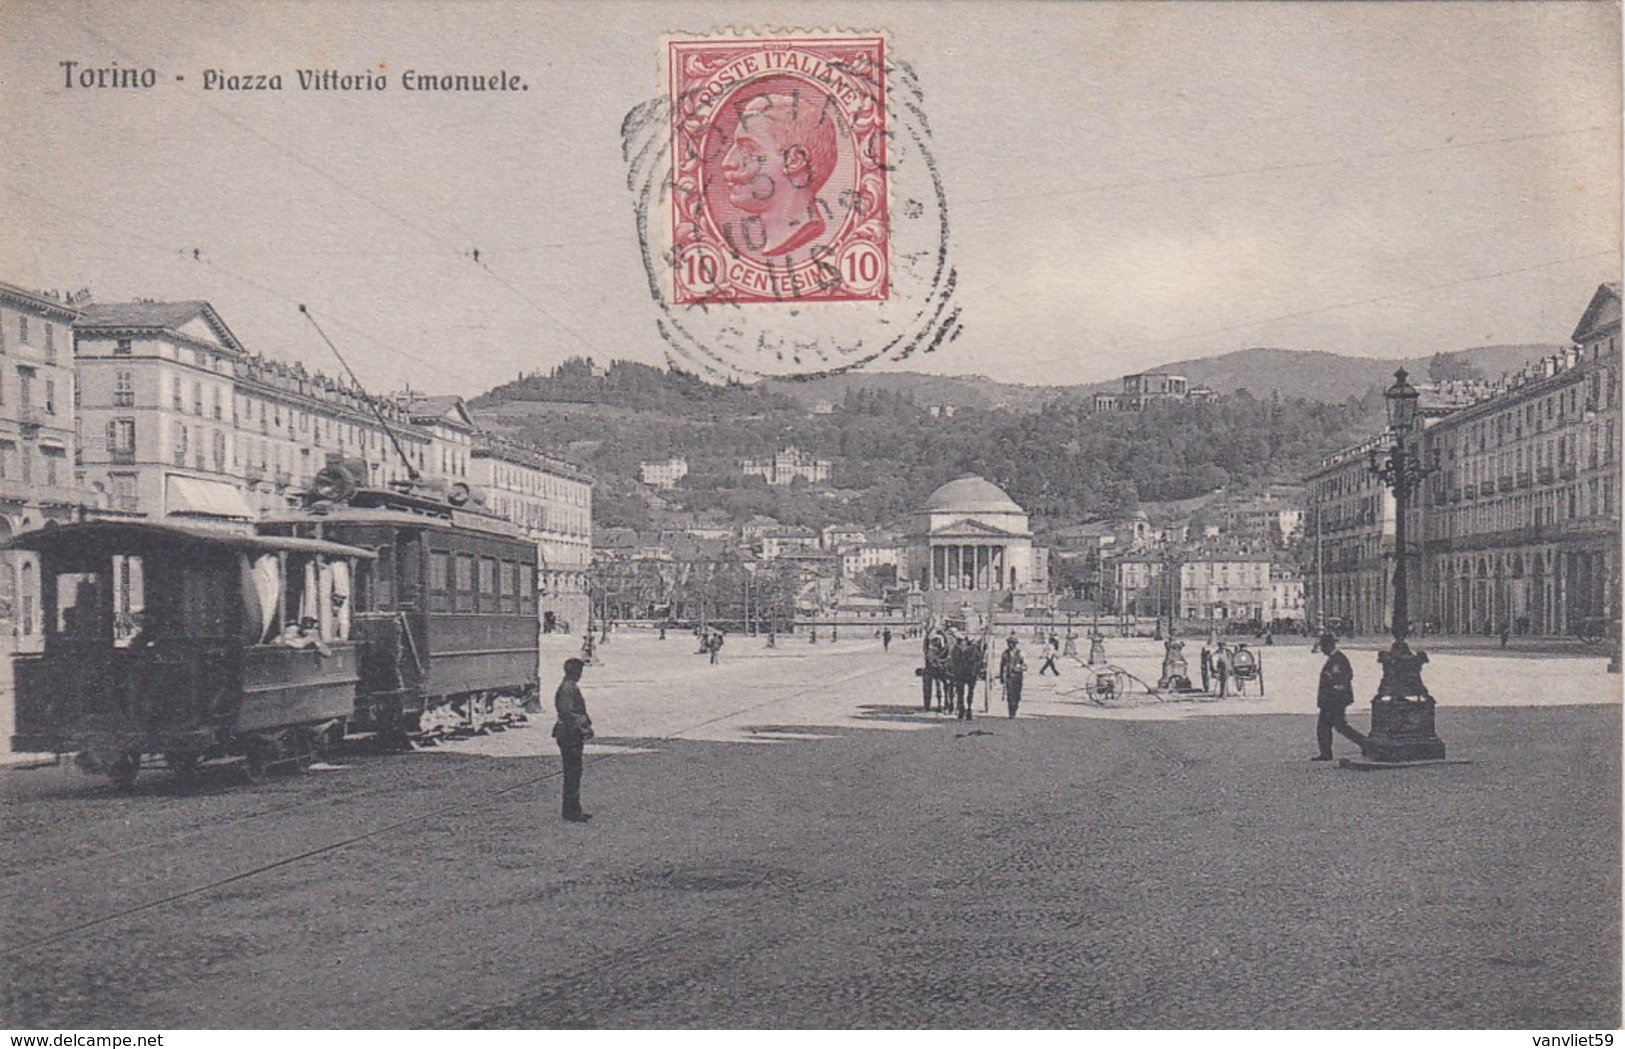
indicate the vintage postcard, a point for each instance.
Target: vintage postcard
{"x":1096,"y":517}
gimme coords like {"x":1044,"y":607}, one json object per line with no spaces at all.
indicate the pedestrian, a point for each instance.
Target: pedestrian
{"x":1012,"y":667}
{"x":1207,"y":668}
{"x":1506,"y":632}
{"x":885,"y":640}
{"x":572,"y":730}
{"x":1336,"y":695}
{"x":715,"y":645}
{"x":1051,"y":650}
{"x":1221,"y":668}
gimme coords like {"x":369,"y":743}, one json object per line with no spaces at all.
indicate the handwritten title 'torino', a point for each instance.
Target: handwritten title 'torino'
{"x":116,"y":77}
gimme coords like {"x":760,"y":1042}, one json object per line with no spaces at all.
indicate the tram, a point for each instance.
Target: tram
{"x":367,"y":612}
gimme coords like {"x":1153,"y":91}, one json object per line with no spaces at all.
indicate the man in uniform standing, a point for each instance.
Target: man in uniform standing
{"x":1012,"y":667}
{"x":572,"y":729}
{"x":1335,"y":697}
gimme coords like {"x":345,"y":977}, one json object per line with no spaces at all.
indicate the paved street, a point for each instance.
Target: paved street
{"x":786,"y":840}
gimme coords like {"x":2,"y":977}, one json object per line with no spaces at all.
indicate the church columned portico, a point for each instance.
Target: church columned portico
{"x":969,"y":566}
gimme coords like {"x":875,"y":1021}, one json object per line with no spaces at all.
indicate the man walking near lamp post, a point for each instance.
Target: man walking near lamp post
{"x":1336,"y":695}
{"x":572,"y":730}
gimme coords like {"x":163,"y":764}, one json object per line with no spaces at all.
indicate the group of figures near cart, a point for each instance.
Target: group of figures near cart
{"x":954,"y":663}
{"x":370,"y":613}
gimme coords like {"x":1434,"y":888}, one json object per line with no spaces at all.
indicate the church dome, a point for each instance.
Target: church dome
{"x":971,"y":495}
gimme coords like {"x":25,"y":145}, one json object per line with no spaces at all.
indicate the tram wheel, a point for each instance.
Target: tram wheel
{"x":256,"y":760}
{"x":185,"y":768}
{"x":125,"y":769}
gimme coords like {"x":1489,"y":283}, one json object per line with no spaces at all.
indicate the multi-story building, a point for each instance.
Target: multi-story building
{"x":1517,"y":523}
{"x":1520,"y":521}
{"x":779,"y":541}
{"x":185,"y":422}
{"x":1349,"y":542}
{"x":1225,"y":586}
{"x":858,"y":559}
{"x":663,"y":475}
{"x":838,"y":537}
{"x":788,"y":466}
{"x":552,"y":501}
{"x":1286,"y":595}
{"x":38,"y":441}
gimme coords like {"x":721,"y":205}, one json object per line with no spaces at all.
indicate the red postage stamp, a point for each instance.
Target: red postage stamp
{"x":779,"y":176}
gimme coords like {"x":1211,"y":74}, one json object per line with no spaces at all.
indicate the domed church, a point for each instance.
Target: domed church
{"x":973,"y":545}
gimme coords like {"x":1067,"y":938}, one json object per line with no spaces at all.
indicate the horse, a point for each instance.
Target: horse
{"x":969,"y":665}
{"x":934,"y":675}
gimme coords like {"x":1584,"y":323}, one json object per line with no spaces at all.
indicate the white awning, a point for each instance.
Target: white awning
{"x":195,"y":497}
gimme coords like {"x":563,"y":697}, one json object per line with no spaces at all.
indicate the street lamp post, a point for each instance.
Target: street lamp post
{"x":1402,"y":711}
{"x":1175,"y":674}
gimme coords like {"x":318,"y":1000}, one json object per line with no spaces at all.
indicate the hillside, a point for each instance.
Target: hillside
{"x":1063,"y":461}
{"x":1311,"y":374}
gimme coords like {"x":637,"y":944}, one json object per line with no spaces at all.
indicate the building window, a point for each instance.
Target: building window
{"x":177,"y":394}
{"x":180,"y":444}
{"x":121,"y":348}
{"x":25,"y":388}
{"x":28,"y":465}
{"x":50,"y":457}
{"x":123,"y":492}
{"x":8,"y":460}
{"x":197,"y":398}
{"x":124,"y":390}
{"x":218,"y":444}
{"x":50,"y":343}
{"x":22,"y":330}
{"x":50,"y":396}
{"x":219,"y":409}
{"x":121,"y":439}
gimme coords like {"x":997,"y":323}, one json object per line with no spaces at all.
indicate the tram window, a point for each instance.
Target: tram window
{"x":383,"y":580}
{"x":439,"y":595}
{"x":78,"y":605}
{"x":129,"y":598}
{"x":465,"y":582}
{"x":508,"y":586}
{"x":488,"y":584}
{"x":527,"y":590}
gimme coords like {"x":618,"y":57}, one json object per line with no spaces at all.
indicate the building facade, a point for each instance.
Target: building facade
{"x":38,"y":442}
{"x":974,"y":546}
{"x":552,"y":501}
{"x":663,"y":475}
{"x":1519,"y":522}
{"x":183,"y":422}
{"x":788,"y":466}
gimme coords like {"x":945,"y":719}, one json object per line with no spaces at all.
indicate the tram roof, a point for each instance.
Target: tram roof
{"x":133,"y":536}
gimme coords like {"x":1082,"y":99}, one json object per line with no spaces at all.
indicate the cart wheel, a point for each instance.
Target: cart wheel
{"x":125,"y":770}
{"x":256,"y":760}
{"x":185,"y":768}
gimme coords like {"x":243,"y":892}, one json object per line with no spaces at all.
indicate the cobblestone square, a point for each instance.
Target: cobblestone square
{"x":786,"y":840}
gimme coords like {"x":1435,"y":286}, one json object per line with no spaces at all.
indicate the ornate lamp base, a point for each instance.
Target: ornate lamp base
{"x":1174,"y":675}
{"x":1402,"y":713}
{"x":1402,"y":730}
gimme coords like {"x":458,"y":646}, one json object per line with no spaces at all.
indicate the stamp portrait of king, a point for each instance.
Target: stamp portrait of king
{"x":779,"y":177}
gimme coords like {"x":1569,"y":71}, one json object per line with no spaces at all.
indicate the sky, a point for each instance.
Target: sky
{"x":1124,"y":184}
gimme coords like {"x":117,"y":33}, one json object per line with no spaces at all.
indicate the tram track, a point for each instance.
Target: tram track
{"x":172,"y":844}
